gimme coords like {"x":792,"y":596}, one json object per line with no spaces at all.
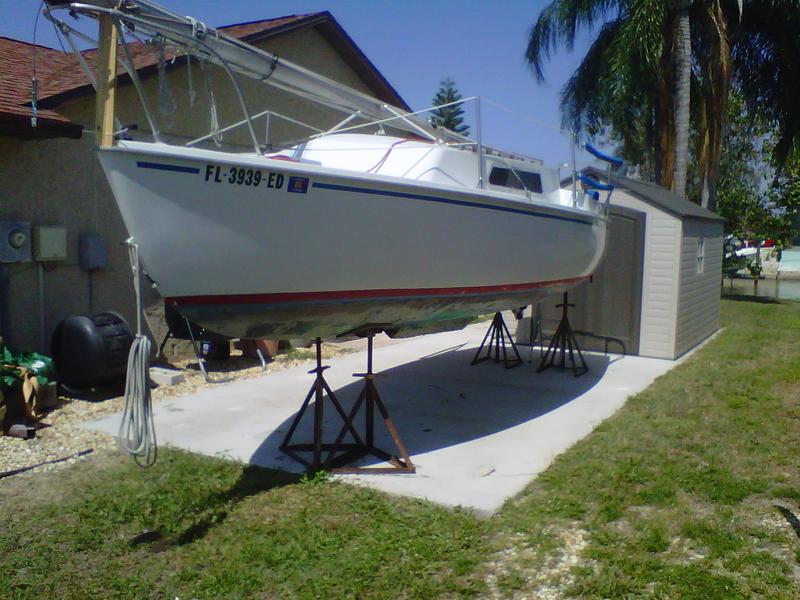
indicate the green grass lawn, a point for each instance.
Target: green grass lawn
{"x":688,"y":491}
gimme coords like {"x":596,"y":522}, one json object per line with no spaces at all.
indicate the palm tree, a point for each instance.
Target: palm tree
{"x":637,"y":77}
{"x":766,"y":60}
{"x":683,"y":70}
{"x":716,"y":27}
{"x":627,"y":78}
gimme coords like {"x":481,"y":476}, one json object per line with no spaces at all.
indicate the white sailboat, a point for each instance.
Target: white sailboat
{"x":406,"y":233}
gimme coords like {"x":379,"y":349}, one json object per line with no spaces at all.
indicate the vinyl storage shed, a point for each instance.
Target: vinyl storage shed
{"x":657,"y":289}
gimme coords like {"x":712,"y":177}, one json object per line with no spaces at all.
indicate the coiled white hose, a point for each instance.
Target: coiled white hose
{"x":137,"y":434}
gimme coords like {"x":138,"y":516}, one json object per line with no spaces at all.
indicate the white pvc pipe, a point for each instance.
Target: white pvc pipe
{"x":480,"y":141}
{"x":42,"y":322}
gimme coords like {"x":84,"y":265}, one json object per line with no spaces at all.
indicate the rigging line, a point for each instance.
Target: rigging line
{"x":527,"y":117}
{"x":272,"y":64}
{"x":34,"y":91}
{"x":121,"y":15}
{"x":239,"y":95}
{"x":130,"y":67}
{"x":166,"y":101}
{"x":192,"y":93}
{"x":267,"y":112}
{"x":398,"y":117}
{"x":58,"y":37}
{"x":216,"y":134}
{"x":62,"y":29}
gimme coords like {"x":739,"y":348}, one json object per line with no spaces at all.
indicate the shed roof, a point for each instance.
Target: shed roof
{"x":60,"y":77}
{"x":658,"y":196}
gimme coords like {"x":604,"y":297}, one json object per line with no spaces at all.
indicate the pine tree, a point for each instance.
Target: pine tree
{"x":449,"y":117}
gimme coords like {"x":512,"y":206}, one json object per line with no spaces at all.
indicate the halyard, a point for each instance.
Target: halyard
{"x":690,"y":490}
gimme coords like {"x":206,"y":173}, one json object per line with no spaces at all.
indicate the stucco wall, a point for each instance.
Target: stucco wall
{"x":60,"y":182}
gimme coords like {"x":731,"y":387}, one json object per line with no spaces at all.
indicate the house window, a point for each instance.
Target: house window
{"x":511,"y":179}
{"x":701,"y":254}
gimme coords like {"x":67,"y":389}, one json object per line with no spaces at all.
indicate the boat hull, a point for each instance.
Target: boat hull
{"x":309,"y":251}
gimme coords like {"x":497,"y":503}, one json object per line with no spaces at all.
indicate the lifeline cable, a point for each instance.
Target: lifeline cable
{"x":137,"y":434}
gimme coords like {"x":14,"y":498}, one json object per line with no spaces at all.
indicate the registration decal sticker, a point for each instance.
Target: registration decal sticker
{"x":298,"y":185}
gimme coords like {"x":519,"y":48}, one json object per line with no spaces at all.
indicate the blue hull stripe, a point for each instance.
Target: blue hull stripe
{"x":360,"y":190}
{"x":162,"y":167}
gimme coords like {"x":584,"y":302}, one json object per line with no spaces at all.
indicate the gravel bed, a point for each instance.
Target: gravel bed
{"x":60,"y":435}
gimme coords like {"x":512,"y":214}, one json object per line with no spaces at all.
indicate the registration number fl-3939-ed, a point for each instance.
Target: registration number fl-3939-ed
{"x":243,"y":176}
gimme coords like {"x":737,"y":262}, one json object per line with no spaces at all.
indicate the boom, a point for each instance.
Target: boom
{"x":206,"y":43}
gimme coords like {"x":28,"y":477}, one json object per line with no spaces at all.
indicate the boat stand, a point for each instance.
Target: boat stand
{"x":334,"y":456}
{"x":564,"y":341}
{"x":201,"y":361}
{"x":498,"y":336}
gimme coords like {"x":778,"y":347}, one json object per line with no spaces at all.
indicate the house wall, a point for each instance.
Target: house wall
{"x":699,"y":297}
{"x":660,"y":278}
{"x":60,"y":182}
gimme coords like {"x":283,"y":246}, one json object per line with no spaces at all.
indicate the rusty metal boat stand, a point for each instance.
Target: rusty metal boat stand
{"x":564,"y":341}
{"x":337,"y":455}
{"x":499,"y":338}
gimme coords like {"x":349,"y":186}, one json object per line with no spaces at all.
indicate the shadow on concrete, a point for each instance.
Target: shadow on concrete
{"x":440,"y":401}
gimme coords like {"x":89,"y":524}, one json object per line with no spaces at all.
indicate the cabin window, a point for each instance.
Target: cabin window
{"x":511,"y":179}
{"x":701,"y":254}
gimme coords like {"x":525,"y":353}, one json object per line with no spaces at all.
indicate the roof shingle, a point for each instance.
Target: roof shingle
{"x":16,"y":72}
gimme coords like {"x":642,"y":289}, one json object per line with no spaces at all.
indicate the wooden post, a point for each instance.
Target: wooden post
{"x":106,"y":82}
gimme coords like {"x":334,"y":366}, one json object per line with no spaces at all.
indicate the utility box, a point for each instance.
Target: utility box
{"x":49,"y":244}
{"x":92,"y":253}
{"x":15,"y":242}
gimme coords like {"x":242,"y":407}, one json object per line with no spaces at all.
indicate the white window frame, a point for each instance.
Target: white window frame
{"x":701,"y":256}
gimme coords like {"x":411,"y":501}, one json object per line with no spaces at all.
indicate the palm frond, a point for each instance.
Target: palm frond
{"x":766,"y":59}
{"x":558,"y":23}
{"x":584,"y":96}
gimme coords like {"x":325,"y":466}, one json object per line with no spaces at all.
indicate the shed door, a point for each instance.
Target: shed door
{"x":609,"y":307}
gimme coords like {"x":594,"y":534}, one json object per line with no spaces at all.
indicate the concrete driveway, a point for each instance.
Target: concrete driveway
{"x":477,"y":434}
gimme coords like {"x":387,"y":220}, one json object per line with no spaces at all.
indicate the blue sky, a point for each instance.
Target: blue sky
{"x":415,"y":44}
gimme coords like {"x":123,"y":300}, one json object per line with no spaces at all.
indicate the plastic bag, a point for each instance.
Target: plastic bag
{"x":11,"y":363}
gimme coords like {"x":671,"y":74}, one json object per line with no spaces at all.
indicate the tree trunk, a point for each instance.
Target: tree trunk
{"x":664,"y":105}
{"x":683,"y":67}
{"x":717,"y":26}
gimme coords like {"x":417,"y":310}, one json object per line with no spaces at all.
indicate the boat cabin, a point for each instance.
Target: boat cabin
{"x":430,"y":162}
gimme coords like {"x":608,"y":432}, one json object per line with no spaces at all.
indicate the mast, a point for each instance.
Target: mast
{"x":106,"y":82}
